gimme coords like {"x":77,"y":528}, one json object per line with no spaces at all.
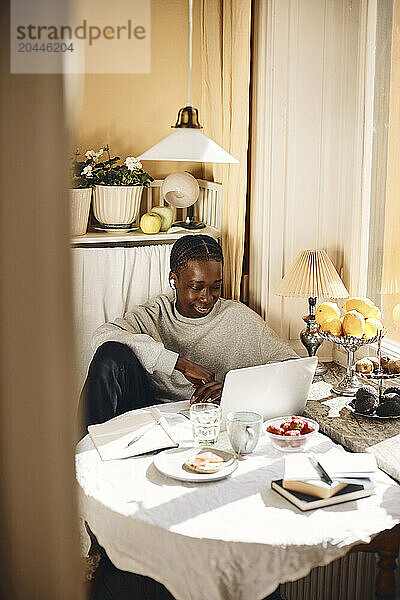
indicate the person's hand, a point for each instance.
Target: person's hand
{"x":210,"y":392}
{"x":196,"y":374}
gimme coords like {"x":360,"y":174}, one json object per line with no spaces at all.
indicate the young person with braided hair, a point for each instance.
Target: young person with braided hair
{"x":177,"y":348}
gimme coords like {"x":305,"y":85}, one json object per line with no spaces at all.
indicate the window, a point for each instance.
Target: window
{"x":384,"y":248}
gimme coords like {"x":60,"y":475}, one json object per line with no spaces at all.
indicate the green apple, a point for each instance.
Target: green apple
{"x":150,"y":223}
{"x":166,"y":215}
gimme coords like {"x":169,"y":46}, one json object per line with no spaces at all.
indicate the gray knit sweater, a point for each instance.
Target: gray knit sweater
{"x":231,"y":336}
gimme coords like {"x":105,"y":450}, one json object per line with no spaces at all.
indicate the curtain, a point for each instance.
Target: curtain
{"x":225,"y":50}
{"x":391,"y":249}
{"x":39,"y":544}
{"x":108,"y":282}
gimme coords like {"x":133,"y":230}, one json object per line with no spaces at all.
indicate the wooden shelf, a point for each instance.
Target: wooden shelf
{"x":138,"y":237}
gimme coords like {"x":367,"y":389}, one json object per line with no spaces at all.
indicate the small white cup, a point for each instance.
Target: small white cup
{"x":244,"y":430}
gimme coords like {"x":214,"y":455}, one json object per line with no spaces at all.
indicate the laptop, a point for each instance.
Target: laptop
{"x":272,"y":390}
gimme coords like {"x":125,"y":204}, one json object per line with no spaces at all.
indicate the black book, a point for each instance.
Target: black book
{"x":305,"y":502}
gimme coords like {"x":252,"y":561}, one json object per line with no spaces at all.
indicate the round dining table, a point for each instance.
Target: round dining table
{"x":232,"y":539}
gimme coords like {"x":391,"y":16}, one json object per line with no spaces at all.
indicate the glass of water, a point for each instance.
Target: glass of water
{"x":205,"y":418}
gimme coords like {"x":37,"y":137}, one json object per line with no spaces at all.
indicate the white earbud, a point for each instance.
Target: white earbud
{"x":172,"y":284}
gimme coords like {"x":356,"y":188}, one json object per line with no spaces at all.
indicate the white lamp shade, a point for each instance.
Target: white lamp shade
{"x":312,"y":274}
{"x":180,"y":190}
{"x":188,"y":145}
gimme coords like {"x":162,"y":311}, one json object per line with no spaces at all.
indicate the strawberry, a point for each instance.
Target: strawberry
{"x":307,"y":428}
{"x":292,"y":433}
{"x":297,"y":423}
{"x":275,"y":430}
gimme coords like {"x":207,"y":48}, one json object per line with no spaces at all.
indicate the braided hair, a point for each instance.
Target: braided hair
{"x":194,"y":247}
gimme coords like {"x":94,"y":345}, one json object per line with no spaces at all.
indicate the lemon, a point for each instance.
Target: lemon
{"x":325,"y":311}
{"x":377,"y":313}
{"x":372,"y":326}
{"x":332,"y":326}
{"x":353,"y":324}
{"x":365,"y":306}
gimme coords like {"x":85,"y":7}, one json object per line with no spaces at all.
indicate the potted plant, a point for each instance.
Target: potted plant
{"x":81,"y":190}
{"x":118,"y":191}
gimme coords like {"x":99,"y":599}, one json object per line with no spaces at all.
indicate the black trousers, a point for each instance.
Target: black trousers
{"x":116,"y":383}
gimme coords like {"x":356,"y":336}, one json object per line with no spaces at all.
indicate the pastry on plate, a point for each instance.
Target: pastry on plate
{"x":375,"y":362}
{"x":364,"y":365}
{"x":394,"y":366}
{"x":385,"y":363}
{"x":205,"y":462}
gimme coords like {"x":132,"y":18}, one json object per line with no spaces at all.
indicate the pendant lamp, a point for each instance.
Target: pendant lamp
{"x":188,"y":143}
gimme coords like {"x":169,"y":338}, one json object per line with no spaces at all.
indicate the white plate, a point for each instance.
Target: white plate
{"x":171,"y":463}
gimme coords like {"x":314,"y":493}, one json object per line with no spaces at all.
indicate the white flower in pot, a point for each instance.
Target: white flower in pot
{"x":81,"y":192}
{"x":118,"y":191}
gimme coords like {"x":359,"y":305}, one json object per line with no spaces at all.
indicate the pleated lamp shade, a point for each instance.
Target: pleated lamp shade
{"x":312,"y":275}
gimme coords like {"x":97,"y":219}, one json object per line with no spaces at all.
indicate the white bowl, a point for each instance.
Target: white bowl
{"x":287,"y":443}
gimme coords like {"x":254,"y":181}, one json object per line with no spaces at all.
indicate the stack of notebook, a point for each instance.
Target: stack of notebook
{"x":314,"y":481}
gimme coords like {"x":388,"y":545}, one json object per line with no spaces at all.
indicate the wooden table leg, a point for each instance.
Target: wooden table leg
{"x":386,"y":545}
{"x":388,"y":551}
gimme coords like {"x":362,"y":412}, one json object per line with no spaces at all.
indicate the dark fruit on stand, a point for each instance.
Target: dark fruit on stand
{"x":366,"y":404}
{"x":394,"y":389}
{"x":366,"y":391}
{"x":390,"y":396}
{"x":390,"y":408}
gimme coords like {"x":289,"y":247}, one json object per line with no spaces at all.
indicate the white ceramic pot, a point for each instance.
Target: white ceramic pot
{"x":117,"y":205}
{"x":80,"y":206}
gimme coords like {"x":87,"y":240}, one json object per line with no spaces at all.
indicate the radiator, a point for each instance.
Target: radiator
{"x":349,"y":578}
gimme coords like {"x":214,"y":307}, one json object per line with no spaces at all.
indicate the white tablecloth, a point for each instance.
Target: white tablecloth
{"x":234,"y":539}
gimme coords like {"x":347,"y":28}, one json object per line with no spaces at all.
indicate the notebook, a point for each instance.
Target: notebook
{"x":316,"y":488}
{"x":111,"y":438}
{"x":338,"y":464}
{"x":304,"y":502}
{"x":348,"y":464}
{"x":300,"y":474}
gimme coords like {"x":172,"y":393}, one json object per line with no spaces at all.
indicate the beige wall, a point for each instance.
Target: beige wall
{"x":133,"y":112}
{"x":39,"y":547}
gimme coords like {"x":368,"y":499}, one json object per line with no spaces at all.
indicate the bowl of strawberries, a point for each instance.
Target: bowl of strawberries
{"x":291,"y":434}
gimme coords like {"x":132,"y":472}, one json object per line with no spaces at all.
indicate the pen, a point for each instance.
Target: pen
{"x":137,"y":437}
{"x":323,"y":474}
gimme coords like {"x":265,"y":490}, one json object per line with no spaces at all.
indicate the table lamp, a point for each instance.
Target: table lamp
{"x":312,"y":275}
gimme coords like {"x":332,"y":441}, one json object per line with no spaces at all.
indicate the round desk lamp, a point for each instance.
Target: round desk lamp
{"x":181,"y":190}
{"x":312,"y":275}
